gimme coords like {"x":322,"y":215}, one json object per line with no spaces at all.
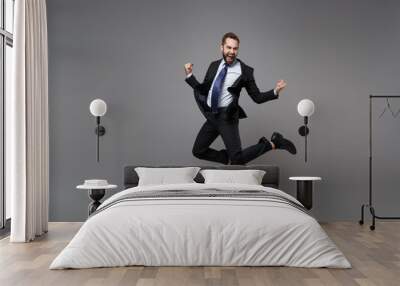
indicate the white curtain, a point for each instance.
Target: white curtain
{"x":27,"y":138}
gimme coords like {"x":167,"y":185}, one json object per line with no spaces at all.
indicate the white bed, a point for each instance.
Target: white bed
{"x":207,"y":230}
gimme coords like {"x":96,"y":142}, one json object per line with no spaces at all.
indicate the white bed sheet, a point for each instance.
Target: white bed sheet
{"x":193,"y":231}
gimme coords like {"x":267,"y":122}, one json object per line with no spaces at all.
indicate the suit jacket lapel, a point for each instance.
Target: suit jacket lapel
{"x":236,"y":83}
{"x":213,"y":71}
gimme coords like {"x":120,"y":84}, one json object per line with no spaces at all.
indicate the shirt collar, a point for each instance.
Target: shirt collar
{"x":231,"y":65}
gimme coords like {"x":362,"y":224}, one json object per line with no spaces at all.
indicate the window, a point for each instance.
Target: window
{"x":6,"y":60}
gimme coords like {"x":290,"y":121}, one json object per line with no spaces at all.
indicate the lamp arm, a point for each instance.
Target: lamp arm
{"x":98,"y":137}
{"x":100,"y":131}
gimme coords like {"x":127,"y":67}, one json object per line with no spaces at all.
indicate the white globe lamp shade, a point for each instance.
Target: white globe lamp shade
{"x":305,"y":107}
{"x":98,"y":107}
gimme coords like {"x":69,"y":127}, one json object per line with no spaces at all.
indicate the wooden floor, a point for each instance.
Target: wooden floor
{"x":375,"y":257}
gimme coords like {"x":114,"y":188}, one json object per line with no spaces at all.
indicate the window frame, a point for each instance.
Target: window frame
{"x":6,"y":39}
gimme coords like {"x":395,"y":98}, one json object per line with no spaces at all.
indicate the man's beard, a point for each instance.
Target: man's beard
{"x":225,"y":57}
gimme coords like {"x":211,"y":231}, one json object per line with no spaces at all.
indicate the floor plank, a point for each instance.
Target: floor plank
{"x":375,"y":257}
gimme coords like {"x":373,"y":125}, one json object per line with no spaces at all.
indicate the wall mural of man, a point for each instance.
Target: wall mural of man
{"x":218,"y":100}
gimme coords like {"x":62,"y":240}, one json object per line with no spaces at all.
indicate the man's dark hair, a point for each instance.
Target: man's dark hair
{"x":230,"y":35}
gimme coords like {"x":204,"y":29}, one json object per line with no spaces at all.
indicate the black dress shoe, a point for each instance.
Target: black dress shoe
{"x":265,"y":141}
{"x":282,"y":143}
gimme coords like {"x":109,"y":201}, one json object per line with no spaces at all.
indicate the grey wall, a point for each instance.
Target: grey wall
{"x":131,"y":54}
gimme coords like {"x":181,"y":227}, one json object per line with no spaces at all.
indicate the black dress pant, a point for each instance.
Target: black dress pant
{"x":229,"y":130}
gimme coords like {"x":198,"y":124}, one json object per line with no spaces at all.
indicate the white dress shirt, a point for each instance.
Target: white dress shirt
{"x":233,"y":72}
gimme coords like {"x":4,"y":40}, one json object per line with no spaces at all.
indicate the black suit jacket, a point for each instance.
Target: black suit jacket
{"x":246,"y":80}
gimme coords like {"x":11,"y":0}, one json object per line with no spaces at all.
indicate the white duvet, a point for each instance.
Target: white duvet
{"x":200,"y":231}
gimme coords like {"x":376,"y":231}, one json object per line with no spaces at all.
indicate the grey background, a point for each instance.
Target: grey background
{"x":131,"y":54}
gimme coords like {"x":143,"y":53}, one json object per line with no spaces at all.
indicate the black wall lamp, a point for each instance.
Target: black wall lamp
{"x":98,"y":108}
{"x":305,"y":108}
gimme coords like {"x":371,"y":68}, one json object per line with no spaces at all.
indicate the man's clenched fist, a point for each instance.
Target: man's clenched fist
{"x":281,"y":84}
{"x":188,"y":68}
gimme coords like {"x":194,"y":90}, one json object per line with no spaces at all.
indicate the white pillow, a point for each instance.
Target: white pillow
{"x":162,"y":176}
{"x":248,"y":177}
